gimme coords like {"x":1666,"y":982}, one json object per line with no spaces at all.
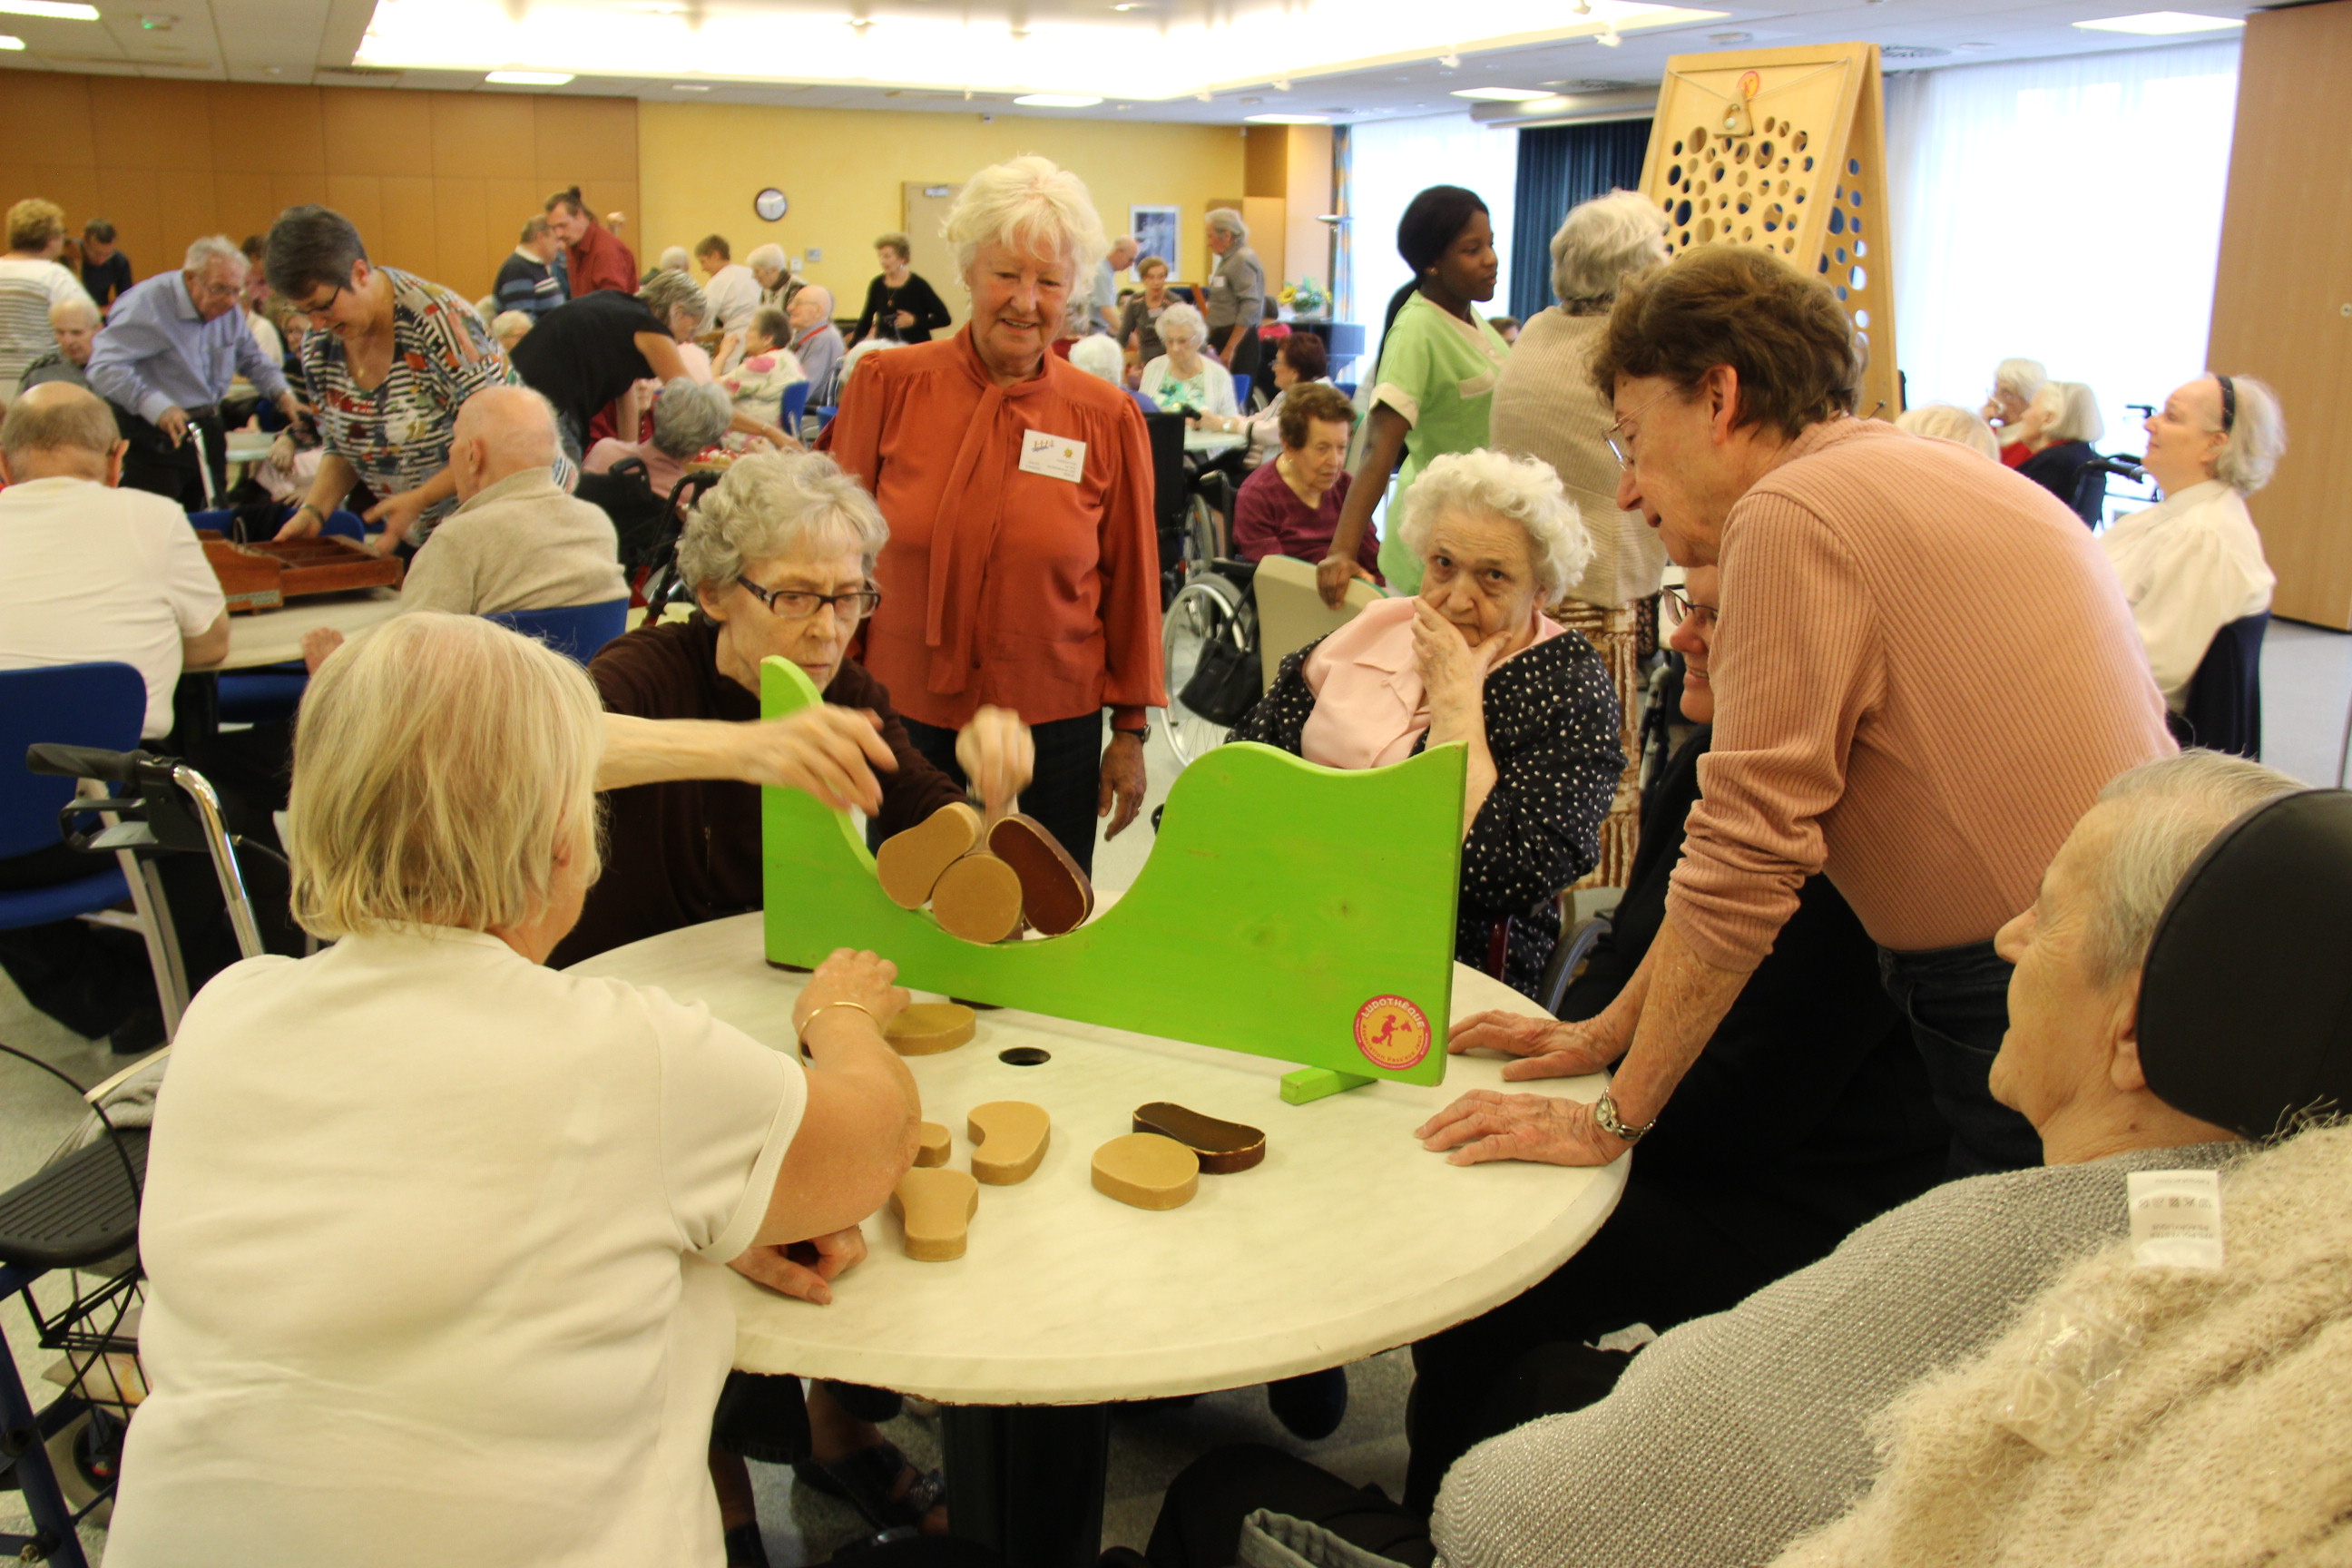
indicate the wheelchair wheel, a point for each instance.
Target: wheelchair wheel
{"x":1207,"y":609}
{"x":1204,"y":534}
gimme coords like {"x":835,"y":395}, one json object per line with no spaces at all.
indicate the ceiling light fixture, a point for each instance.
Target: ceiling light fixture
{"x":690,"y":86}
{"x":1609,"y":38}
{"x":57,"y":10}
{"x":1501,"y":94}
{"x":10,"y":41}
{"x":1282,"y":84}
{"x":2159,"y":24}
{"x":1057,"y":100}
{"x":1287,"y":119}
{"x":529,"y":79}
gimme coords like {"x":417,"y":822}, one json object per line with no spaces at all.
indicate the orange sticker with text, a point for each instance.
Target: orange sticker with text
{"x":1392,"y":1033}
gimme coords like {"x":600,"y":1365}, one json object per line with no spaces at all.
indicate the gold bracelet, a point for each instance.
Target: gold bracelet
{"x":829,"y":1006}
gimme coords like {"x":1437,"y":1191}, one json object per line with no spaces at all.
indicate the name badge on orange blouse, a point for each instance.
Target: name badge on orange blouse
{"x":1056,"y":456}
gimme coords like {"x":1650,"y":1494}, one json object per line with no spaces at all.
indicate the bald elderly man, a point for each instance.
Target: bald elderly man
{"x":816,"y":342}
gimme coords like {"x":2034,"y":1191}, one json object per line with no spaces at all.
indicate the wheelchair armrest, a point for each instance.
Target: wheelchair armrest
{"x":1574,"y":946}
{"x":82,"y":762}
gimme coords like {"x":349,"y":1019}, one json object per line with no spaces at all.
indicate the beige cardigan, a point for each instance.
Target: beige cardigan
{"x":2226,"y":1439}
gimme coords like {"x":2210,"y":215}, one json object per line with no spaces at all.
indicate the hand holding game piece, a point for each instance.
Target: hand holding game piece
{"x":805,"y":1269}
{"x":926,"y":1028}
{"x":1146,"y":1172}
{"x":861,"y":980}
{"x":910,"y":864}
{"x":935,"y":1207}
{"x":996,"y":753}
{"x":1009,"y":1139}
{"x":829,"y":753}
{"x":1224,"y":1148}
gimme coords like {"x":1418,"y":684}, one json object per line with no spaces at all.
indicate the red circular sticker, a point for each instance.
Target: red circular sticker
{"x":1392,"y":1033}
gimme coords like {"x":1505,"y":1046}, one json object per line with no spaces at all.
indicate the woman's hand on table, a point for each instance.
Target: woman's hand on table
{"x":1545,"y":1048}
{"x":861,"y":980}
{"x":1123,"y":781}
{"x":1454,"y":673}
{"x":826,"y":752}
{"x":1484,"y":1125}
{"x":805,"y":1269}
{"x":997,"y":755}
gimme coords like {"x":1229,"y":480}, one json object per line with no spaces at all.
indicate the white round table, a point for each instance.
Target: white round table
{"x":1206,"y":443}
{"x":275,"y":636}
{"x":1347,"y":1240}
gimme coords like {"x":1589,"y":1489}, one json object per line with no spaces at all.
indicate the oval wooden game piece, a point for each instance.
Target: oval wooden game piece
{"x":926,"y":1028}
{"x":977,"y":898}
{"x":908,"y":864}
{"x":1056,"y":896}
{"x":1146,"y":1171}
{"x":1221,"y":1147}
{"x":932,"y":1145}
{"x":935,"y":1210}
{"x":1009,"y":1137}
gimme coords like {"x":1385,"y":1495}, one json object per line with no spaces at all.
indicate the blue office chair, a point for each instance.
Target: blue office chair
{"x":576,"y":631}
{"x":796,"y":404}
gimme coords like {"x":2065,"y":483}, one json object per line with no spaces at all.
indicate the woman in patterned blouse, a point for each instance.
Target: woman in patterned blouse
{"x":389,"y":360}
{"x":1475,"y":659}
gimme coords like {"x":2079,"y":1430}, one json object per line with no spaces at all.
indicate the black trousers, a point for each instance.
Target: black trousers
{"x":1199,"y":1522}
{"x":153,"y":464}
{"x":1245,"y":353}
{"x":764,"y":1418}
{"x":1067,"y":787}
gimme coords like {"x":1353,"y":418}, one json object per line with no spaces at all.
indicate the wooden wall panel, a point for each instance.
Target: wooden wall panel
{"x":242,"y":203}
{"x":359,"y":197}
{"x":482,"y":137}
{"x":2281,"y":301}
{"x":158,"y":125}
{"x":375,"y":130}
{"x":270,"y":129}
{"x":405,"y":235}
{"x":587,"y":141}
{"x":59,"y":106}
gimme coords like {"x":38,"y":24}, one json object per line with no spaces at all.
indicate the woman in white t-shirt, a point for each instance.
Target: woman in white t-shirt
{"x":31,"y":281}
{"x":432,"y":1231}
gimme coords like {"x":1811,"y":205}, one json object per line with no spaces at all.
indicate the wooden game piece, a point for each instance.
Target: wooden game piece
{"x":1146,"y":1171}
{"x":908,"y":864}
{"x":977,"y":898}
{"x":1056,"y":896}
{"x":935,"y":1209}
{"x":926,"y":1028}
{"x":1009,"y":1137}
{"x":933,"y":1147}
{"x":1221,"y":1147}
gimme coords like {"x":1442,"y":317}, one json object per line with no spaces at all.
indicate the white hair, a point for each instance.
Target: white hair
{"x":1031,"y":205}
{"x":210,"y":248}
{"x":777,"y":504}
{"x":765,"y":256}
{"x":1490,"y":484}
{"x":1225,"y":220}
{"x":1599,"y":243}
{"x":675,"y":259}
{"x":1100,"y":356}
{"x":1945,"y":422}
{"x":690,"y":414}
{"x":506,"y":323}
{"x":2019,"y":378}
{"x":859,"y":353}
{"x":2166,"y":813}
{"x":74,"y":307}
{"x":443,"y":767}
{"x":670,"y":291}
{"x":2072,"y":412}
{"x":2257,"y":440}
{"x":1181,"y":323}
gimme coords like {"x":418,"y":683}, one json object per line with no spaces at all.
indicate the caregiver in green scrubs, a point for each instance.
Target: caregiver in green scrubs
{"x":1439,"y":362}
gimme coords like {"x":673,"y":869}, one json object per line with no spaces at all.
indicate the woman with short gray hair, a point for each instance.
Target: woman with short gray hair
{"x":1184,"y":379}
{"x":1474,"y":658}
{"x":2193,"y":564}
{"x":1237,"y":301}
{"x":689,"y":417}
{"x":608,"y":1149}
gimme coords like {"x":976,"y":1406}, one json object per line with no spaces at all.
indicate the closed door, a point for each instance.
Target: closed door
{"x":927,"y":206}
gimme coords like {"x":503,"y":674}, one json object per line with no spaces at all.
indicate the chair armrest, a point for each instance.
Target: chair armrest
{"x":1575,"y":945}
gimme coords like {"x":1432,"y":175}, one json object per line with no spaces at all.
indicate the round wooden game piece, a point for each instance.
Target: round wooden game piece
{"x":1146,"y":1171}
{"x":910,"y":864}
{"x":932,"y":1145}
{"x":977,"y":898}
{"x":935,"y":1210}
{"x":1056,"y":896}
{"x":1221,"y":1147}
{"x":1009,"y":1137}
{"x":926,"y":1028}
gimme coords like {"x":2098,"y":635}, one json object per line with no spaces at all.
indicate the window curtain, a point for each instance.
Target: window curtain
{"x":2067,"y":211}
{"x":1560,"y":165}
{"x":1394,"y":160}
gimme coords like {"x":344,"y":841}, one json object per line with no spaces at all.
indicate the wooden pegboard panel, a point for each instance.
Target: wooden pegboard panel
{"x":1786,"y":150}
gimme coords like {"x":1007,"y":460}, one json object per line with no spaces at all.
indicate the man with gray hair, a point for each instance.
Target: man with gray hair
{"x":529,"y":281}
{"x":1106,"y":289}
{"x":165,"y":358}
{"x":816,"y":342}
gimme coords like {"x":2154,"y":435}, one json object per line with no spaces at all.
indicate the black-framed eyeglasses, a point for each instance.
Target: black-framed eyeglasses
{"x":797,"y":604}
{"x":1680,"y":606}
{"x":1620,"y":439}
{"x":311,"y":313}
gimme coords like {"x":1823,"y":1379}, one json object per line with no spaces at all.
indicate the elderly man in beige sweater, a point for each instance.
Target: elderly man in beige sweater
{"x":1924,"y":672}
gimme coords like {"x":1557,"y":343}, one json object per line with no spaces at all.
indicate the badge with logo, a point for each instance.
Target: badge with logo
{"x":1392,"y":1033}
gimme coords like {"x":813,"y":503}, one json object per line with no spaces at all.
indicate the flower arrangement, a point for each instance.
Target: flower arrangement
{"x":1305,"y":297}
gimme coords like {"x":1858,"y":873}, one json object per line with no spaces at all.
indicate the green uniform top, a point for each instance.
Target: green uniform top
{"x":1439,"y":371}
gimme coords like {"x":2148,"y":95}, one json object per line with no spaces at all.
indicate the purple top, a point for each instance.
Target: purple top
{"x":1270,"y":519}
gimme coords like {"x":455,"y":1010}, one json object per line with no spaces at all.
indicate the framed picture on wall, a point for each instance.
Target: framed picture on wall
{"x":1155,"y":233}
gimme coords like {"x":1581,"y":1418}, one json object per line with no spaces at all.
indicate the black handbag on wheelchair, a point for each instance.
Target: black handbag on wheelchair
{"x":1226,"y":684}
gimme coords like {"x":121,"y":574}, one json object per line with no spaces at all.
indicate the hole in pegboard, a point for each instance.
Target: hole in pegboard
{"x":1825,"y":266}
{"x":1706,"y":230}
{"x":1025,"y":1056}
{"x":1788,"y":245}
{"x":1675,"y":176}
{"x":1809,"y":166}
{"x":1797,"y":141}
{"x":1677,"y":151}
{"x":1841,"y":290}
{"x":1687,"y":240}
{"x":1801,"y":198}
{"x":1860,"y":248}
{"x":1740,"y":153}
{"x":1697,"y":139}
{"x":1837,"y":220}
{"x":1858,"y":278}
{"x":1862,"y":317}
{"x":1719,"y":174}
{"x":1855,"y":196}
{"x":1683,"y":215}
{"x":1853,"y":224}
{"x":1853,"y":165}
{"x":1763,"y":152}
{"x":1839,"y":254}
{"x":1742,"y":179}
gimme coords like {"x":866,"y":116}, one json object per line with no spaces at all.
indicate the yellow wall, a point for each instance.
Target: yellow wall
{"x":700,"y":164}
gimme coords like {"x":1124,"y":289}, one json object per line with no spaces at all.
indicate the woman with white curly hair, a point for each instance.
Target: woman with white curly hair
{"x":689,"y":417}
{"x":1185,"y":380}
{"x":1472,"y":659}
{"x":1022,"y":570}
{"x":2193,"y":564}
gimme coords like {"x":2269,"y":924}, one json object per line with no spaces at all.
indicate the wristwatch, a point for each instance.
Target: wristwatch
{"x":1604,"y":1116}
{"x":1140,"y":735}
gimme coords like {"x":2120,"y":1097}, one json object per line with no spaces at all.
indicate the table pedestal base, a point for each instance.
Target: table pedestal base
{"x":1028,"y":1479}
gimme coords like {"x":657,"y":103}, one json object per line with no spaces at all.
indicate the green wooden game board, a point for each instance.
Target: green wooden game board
{"x":1288,"y":910}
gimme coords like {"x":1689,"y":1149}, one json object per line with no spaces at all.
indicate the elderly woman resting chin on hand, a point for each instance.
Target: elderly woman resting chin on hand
{"x":1474,"y":659}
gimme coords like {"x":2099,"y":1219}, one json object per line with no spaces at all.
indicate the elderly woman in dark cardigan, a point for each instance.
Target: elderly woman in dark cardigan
{"x":1474,"y":658}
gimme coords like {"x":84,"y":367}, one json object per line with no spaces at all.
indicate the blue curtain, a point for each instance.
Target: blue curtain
{"x":1560,"y":165}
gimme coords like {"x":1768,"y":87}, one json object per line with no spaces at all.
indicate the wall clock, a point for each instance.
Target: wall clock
{"x":770,"y":204}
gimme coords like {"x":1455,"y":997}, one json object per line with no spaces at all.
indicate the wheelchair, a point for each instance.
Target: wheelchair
{"x":69,"y":1234}
{"x":1209,"y":634}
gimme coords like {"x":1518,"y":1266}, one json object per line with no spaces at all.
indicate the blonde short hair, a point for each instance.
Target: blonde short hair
{"x":443,"y":767}
{"x":1182,"y":323}
{"x":2072,"y":412}
{"x":33,"y":223}
{"x":1485,"y":483}
{"x":1599,"y":243}
{"x":1947,"y":423}
{"x":1029,"y":205}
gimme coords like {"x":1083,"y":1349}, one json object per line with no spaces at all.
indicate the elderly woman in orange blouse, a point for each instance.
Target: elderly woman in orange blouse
{"x":1022,"y":570}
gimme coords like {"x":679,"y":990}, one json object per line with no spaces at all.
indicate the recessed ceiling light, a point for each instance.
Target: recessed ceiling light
{"x":1129,"y":5}
{"x":2160,"y":23}
{"x":690,"y":86}
{"x":8,"y":41}
{"x":1501,"y":94}
{"x":1057,"y":100}
{"x":1286,"y":120}
{"x":529,"y":79}
{"x":1729,"y":37}
{"x":58,"y":10}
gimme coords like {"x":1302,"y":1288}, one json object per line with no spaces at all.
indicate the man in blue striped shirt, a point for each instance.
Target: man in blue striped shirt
{"x":165,"y":358}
